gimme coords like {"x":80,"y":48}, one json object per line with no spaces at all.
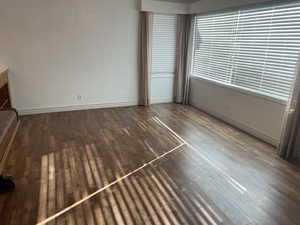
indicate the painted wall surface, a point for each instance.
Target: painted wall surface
{"x":162,"y":89}
{"x":193,"y":6}
{"x":68,"y":53}
{"x":203,"y":6}
{"x":254,"y":114}
{"x":164,"y":7}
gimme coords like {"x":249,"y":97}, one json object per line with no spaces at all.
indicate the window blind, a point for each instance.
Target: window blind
{"x":213,"y":44}
{"x":255,"y":49}
{"x":164,"y":44}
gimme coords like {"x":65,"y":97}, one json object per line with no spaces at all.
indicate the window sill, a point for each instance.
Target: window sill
{"x":162,"y":75}
{"x":241,"y":90}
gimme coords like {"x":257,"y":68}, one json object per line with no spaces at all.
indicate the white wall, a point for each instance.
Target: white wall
{"x":59,"y":49}
{"x":164,"y":7}
{"x":193,"y":6}
{"x":203,"y":6}
{"x":255,"y":114}
{"x":162,"y":89}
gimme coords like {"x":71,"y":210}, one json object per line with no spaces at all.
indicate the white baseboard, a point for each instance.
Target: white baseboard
{"x":75,"y":107}
{"x":251,"y":130}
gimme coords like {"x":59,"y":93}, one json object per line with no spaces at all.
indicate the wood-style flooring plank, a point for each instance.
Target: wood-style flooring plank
{"x":219,"y":176}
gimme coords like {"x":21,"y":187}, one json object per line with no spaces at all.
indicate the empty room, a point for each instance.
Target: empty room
{"x":155,"y":112}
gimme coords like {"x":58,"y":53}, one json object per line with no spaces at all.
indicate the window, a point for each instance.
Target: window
{"x":164,"y":44}
{"x":253,"y":49}
{"x":163,"y":57}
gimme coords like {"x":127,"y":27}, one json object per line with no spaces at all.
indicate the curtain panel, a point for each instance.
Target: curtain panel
{"x":183,"y":58}
{"x":291,"y":120}
{"x":146,"y":25}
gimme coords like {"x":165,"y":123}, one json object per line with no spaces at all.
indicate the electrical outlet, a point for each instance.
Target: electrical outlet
{"x":79,"y":97}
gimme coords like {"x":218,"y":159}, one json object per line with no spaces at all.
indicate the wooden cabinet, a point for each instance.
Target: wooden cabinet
{"x":5,"y":102}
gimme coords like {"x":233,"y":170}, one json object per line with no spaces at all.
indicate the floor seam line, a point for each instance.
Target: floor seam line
{"x":109,"y":185}
{"x":229,"y":178}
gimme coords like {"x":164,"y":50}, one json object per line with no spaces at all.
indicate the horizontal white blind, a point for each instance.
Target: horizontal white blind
{"x":164,"y":44}
{"x":259,"y":51}
{"x":214,"y":41}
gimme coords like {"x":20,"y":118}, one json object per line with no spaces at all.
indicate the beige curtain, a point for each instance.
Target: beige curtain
{"x":183,"y":59}
{"x":291,"y":119}
{"x":146,"y":20}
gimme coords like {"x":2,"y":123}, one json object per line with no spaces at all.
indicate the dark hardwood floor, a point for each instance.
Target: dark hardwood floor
{"x":163,"y":165}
